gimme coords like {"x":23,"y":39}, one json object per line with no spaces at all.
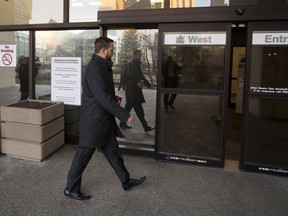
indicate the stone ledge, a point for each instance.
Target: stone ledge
{"x":32,"y":116}
{"x":32,"y":150}
{"x":31,"y":132}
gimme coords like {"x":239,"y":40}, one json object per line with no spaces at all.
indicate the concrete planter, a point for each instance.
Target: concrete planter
{"x":31,"y":132}
{"x":31,"y":112}
{"x":32,"y":150}
{"x":0,"y":133}
{"x":71,"y":116}
{"x":32,"y":129}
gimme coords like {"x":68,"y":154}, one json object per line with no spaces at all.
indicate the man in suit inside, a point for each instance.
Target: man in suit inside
{"x":98,"y":127}
{"x":135,"y":80}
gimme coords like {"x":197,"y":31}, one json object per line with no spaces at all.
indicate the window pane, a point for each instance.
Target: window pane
{"x":31,"y":12}
{"x":267,"y":137}
{"x":86,"y":10}
{"x":141,"y":4}
{"x":211,"y":3}
{"x":197,"y":67}
{"x":83,"y":10}
{"x":269,"y":69}
{"x":185,"y":129}
{"x":9,"y":78}
{"x":126,"y":41}
{"x":62,"y":44}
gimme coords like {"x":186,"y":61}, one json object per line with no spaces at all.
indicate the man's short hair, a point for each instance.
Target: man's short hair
{"x":136,"y":52}
{"x":102,"y":42}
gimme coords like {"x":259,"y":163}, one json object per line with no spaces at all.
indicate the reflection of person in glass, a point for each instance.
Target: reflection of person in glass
{"x":22,"y":70}
{"x":217,"y":118}
{"x":171,"y":76}
{"x":122,"y":75}
{"x":134,"y":95}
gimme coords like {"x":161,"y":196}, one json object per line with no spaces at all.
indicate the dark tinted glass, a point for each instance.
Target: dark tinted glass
{"x":269,"y":70}
{"x":197,"y":67}
{"x":193,"y":127}
{"x":267,"y":137}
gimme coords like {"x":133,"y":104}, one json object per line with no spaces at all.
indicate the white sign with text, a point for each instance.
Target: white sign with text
{"x":66,"y":80}
{"x":270,"y":38}
{"x":211,"y":38}
{"x":8,"y":55}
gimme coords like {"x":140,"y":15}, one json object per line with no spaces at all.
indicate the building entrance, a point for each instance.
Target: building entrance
{"x":264,"y":142}
{"x":235,"y":98}
{"x":193,"y":93}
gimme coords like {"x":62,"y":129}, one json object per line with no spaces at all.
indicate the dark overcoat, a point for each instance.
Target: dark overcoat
{"x":171,"y":74}
{"x":134,"y":75}
{"x":99,"y":107}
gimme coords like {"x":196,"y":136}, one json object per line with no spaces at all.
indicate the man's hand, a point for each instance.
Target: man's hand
{"x":131,"y":119}
{"x":140,"y":83}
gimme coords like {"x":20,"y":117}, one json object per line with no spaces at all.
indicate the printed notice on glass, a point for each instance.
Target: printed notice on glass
{"x":66,"y":80}
{"x":270,"y":90}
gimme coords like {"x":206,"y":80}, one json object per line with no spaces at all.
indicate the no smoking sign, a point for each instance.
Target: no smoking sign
{"x":7,"y":59}
{"x":8,"y":55}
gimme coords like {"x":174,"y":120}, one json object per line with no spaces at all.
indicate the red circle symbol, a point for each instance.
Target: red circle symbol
{"x":7,"y":59}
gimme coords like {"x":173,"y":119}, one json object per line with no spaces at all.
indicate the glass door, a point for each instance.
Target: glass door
{"x":134,"y":74}
{"x":265,"y":137}
{"x":193,"y":94}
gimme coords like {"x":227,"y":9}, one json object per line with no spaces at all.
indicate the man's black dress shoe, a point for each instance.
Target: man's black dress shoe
{"x":147,"y":129}
{"x":76,"y":195}
{"x":133,"y":182}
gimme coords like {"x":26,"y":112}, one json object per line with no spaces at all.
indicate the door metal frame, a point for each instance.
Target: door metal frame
{"x":261,"y":168}
{"x":195,"y":27}
{"x":156,"y":17}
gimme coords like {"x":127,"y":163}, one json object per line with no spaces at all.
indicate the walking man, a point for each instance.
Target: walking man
{"x":135,"y":81}
{"x":98,"y":127}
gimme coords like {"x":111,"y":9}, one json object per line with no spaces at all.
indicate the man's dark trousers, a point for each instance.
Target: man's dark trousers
{"x":138,"y":110}
{"x":82,"y":157}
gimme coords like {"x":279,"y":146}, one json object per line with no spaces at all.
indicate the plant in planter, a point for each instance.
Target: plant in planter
{"x":32,"y":129}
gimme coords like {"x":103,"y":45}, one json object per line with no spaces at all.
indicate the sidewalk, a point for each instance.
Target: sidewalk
{"x":31,"y":188}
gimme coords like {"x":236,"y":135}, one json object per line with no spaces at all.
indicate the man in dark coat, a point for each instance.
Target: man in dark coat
{"x":122,"y":76}
{"x":98,"y":127}
{"x":171,"y":76}
{"x":22,"y":70}
{"x":134,"y":96}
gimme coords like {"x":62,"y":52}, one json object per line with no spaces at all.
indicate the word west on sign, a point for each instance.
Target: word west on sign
{"x":8,"y":55}
{"x":211,"y":38}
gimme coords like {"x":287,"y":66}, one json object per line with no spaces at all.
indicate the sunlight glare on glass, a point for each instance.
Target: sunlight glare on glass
{"x":85,"y":3}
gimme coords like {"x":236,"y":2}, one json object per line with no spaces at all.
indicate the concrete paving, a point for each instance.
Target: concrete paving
{"x":31,"y":188}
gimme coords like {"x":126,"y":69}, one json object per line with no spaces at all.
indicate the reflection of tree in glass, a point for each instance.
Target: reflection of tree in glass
{"x":63,"y":44}
{"x":202,"y":65}
{"x":129,"y":43}
{"x":148,"y":47}
{"x":142,"y":40}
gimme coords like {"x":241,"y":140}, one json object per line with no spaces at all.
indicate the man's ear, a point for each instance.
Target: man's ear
{"x":102,"y":52}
